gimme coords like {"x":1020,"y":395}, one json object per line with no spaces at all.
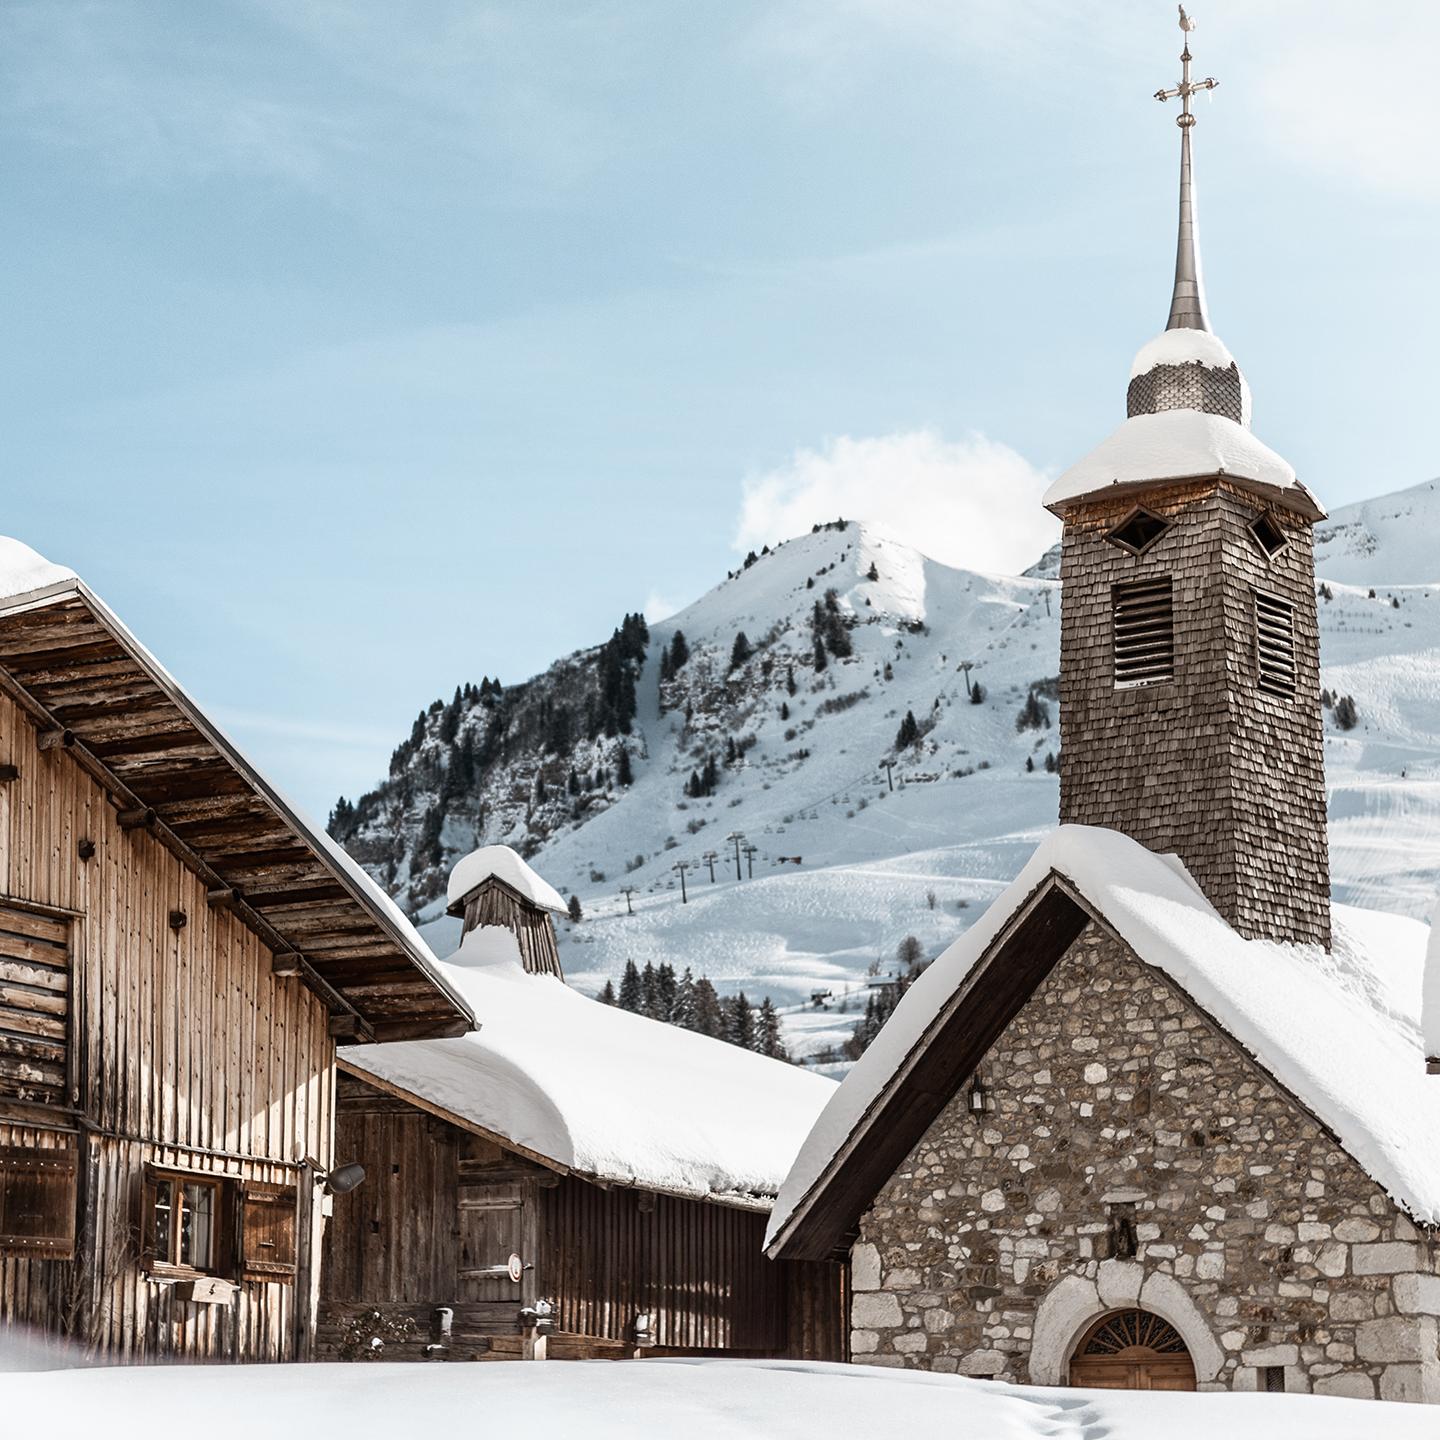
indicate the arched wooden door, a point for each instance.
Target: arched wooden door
{"x":1132,"y":1350}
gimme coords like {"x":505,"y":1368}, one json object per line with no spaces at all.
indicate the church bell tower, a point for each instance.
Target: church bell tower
{"x":1190,"y":657}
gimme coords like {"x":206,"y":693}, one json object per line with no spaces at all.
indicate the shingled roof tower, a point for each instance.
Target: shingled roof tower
{"x":1190,"y":689}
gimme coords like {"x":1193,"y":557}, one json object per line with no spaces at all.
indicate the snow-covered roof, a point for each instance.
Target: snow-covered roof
{"x":1182,"y":347}
{"x":1178,"y":445}
{"x":501,"y":862}
{"x":1341,"y":1029}
{"x":28,"y":581}
{"x":1431,"y":1004}
{"x":600,"y":1091}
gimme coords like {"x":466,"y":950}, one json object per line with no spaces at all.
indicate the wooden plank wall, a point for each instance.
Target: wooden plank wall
{"x":187,"y":1051}
{"x":495,"y":903}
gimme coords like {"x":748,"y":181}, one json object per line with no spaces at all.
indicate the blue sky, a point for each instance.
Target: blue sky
{"x":353,"y":350}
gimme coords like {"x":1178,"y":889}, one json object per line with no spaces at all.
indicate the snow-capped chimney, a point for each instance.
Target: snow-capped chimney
{"x":493,"y":886}
{"x":1189,"y":649}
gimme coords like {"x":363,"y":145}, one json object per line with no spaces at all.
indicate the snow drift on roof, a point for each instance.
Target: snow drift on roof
{"x":1431,"y":1004}
{"x":603,"y":1092}
{"x":504,"y":864}
{"x":1340,"y":1030}
{"x":1174,"y":445}
{"x":1182,"y":347}
{"x":23,"y":569}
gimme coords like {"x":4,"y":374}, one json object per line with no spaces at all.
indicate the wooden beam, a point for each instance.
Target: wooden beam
{"x":287,"y":963}
{"x":56,"y":739}
{"x":9,"y":773}
{"x":222,"y":897}
{"x":138,"y":817}
{"x":351,"y":1028}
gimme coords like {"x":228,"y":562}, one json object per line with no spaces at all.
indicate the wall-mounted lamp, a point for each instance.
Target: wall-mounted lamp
{"x":86,"y":849}
{"x":980,"y":1098}
{"x":342,"y":1179}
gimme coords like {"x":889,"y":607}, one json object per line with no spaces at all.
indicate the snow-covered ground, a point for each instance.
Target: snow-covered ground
{"x":695,"y":1400}
{"x":845,"y":867}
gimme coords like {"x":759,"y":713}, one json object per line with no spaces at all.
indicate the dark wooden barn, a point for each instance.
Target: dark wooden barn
{"x":486,"y":1231}
{"x":179,"y":955}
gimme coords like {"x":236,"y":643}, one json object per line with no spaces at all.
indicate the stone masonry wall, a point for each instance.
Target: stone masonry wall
{"x":1207,"y":765}
{"x":1117,"y":1104}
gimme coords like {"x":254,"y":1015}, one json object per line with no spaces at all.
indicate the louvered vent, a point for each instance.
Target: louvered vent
{"x":1144,"y":633}
{"x":1275,"y":643}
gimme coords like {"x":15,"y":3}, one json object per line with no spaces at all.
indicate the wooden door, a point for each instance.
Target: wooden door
{"x":1132,"y":1350}
{"x":492,"y":1229}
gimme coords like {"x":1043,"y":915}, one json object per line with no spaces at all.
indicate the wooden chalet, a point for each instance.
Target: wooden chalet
{"x":536,"y":1189}
{"x":180,"y":954}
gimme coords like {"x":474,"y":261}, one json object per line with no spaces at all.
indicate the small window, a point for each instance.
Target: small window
{"x":1144,"y":622}
{"x":1138,"y":532}
{"x":1273,"y":1379}
{"x":1266,"y":531}
{"x":185,"y":1222}
{"x":1274,"y":644}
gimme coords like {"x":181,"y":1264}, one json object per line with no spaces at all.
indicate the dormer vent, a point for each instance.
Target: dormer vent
{"x":1138,"y":531}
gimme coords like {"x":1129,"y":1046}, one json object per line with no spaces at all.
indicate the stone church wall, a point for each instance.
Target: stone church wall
{"x":1123,"y":1118}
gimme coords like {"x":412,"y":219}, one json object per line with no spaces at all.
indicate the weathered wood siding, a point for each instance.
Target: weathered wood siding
{"x":495,"y":903}
{"x":183,"y":1051}
{"x":441,"y":1203}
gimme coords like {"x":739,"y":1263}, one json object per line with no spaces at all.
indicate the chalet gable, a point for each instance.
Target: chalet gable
{"x":88,"y":686}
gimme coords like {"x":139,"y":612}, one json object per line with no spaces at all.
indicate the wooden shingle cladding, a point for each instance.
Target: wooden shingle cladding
{"x":446,"y":1203}
{"x":1222,"y":763}
{"x":90,"y":691}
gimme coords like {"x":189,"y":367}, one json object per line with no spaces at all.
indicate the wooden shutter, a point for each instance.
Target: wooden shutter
{"x":1274,"y":644}
{"x":37,"y":1202}
{"x":1144,"y":621}
{"x":34,"y":1008}
{"x":267,"y":1232}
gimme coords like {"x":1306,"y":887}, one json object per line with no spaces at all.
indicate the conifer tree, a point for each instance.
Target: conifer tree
{"x":909,"y":731}
{"x":679,"y":652}
{"x":767,"y":1032}
{"x":666,"y":987}
{"x":790,"y":680}
{"x":739,"y":1017}
{"x":872,"y":573}
{"x":741,"y":650}
{"x":709,"y":1019}
{"x":711,"y":776}
{"x":820,"y":658}
{"x":731,"y":754}
{"x":631,"y":990}
{"x":647,"y":991}
{"x":573,"y":907}
{"x":573,"y":783}
{"x":683,"y":1011}
{"x":784,"y":710}
{"x":623,"y":773}
{"x":607,"y":995}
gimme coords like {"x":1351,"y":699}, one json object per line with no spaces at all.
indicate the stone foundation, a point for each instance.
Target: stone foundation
{"x":1134,"y":1156}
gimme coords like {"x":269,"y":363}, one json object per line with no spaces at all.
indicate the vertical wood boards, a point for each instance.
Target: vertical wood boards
{"x":184,"y":1051}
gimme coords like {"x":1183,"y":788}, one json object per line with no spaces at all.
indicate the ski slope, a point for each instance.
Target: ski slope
{"x":845,"y":866}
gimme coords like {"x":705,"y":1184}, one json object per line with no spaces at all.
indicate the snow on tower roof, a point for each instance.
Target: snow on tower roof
{"x":1340,"y":1030}
{"x":501,"y":863}
{"x":592,"y":1089}
{"x":1180,"y":445}
{"x":1182,"y":347}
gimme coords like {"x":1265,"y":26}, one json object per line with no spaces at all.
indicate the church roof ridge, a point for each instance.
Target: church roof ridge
{"x":1339,"y":1030}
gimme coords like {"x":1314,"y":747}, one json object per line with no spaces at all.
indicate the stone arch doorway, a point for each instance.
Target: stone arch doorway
{"x":1132,"y":1350}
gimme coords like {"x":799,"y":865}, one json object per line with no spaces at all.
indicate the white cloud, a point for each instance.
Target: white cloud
{"x":973,"y":502}
{"x":659,"y":607}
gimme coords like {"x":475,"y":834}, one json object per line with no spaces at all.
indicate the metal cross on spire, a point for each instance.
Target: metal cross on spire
{"x":1187,"y":303}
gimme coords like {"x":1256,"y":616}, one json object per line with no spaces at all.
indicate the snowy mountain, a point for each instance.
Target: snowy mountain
{"x":800,"y":739}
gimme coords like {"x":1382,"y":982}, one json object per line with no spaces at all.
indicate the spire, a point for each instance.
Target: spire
{"x":1187,"y":303}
